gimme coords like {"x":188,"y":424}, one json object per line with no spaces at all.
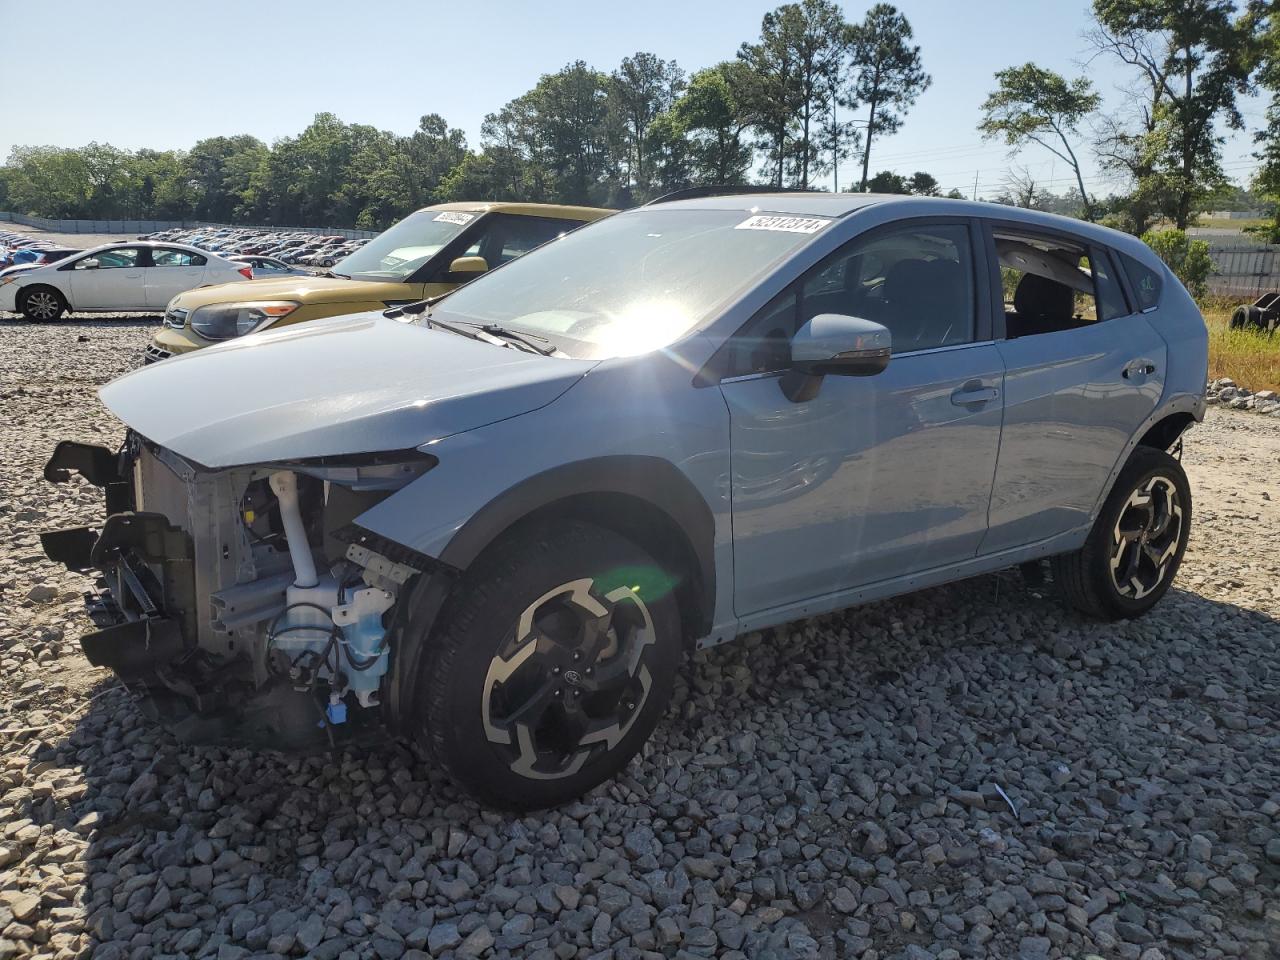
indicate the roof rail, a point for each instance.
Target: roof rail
{"x":720,"y":190}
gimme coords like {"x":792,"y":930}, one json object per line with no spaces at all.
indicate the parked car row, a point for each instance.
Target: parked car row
{"x":497,"y":520}
{"x":18,"y":249}
{"x":293,"y":247}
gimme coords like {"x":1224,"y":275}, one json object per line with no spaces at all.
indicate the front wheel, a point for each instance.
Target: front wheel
{"x":1137,"y":542}
{"x":555,"y":662}
{"x":42,"y":304}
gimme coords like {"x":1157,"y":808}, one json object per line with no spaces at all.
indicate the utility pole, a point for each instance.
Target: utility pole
{"x":975,"y":184}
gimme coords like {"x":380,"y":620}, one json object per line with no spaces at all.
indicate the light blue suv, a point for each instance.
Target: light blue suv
{"x":496,"y":522}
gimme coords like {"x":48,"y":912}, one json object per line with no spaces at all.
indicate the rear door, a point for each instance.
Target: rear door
{"x":171,"y":272}
{"x":1083,"y":371}
{"x":109,"y":280}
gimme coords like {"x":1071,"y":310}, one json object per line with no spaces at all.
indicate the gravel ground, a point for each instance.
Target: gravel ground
{"x":965,"y":772}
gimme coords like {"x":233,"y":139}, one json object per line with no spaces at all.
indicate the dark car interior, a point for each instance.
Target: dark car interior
{"x":1048,"y":288}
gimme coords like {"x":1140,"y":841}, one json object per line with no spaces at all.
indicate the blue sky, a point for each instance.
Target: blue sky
{"x":165,"y":76}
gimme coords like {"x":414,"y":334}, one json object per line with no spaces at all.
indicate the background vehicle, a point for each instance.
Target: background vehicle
{"x":428,"y":253}
{"x":505,"y":520}
{"x":264,"y":266}
{"x":1262,"y":314}
{"x":116,"y":276}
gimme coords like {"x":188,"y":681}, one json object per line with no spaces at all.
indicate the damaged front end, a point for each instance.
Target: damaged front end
{"x":241,"y":602}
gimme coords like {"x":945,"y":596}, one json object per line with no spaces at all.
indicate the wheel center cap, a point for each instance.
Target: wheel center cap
{"x":572,"y":677}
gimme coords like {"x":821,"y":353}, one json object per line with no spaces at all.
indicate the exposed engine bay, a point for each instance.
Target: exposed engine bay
{"x":240,"y":602}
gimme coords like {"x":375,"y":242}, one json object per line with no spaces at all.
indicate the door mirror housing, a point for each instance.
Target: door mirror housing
{"x":468,"y":266}
{"x":837,"y":345}
{"x":88,"y":263}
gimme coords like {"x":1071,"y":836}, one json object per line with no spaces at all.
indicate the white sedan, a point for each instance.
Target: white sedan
{"x":116,"y":277}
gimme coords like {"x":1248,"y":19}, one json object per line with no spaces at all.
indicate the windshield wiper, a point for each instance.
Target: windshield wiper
{"x":527,"y":339}
{"x":414,"y":308}
{"x":330,"y":275}
{"x":474,"y":334}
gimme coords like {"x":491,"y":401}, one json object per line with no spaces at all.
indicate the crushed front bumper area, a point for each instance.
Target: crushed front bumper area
{"x":145,"y":564}
{"x":236,"y":612}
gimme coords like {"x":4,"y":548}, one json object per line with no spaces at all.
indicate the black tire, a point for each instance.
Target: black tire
{"x":1253,"y":318}
{"x":42,"y":304}
{"x":1150,"y":560}
{"x":1239,"y":317}
{"x":480,"y":684}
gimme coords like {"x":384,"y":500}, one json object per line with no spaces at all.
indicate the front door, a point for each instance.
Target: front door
{"x":873,"y":478}
{"x":108,"y":280}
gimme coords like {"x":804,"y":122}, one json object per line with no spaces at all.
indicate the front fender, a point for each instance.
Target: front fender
{"x":633,"y":428}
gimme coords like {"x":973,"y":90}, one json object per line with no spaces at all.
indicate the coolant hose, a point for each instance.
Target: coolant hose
{"x":285,"y":485}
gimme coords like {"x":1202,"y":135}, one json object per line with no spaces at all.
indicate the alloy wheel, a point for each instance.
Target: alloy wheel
{"x":568,"y":684}
{"x":42,"y":305}
{"x":1146,"y":537}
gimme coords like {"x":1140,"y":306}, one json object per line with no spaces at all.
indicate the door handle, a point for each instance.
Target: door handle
{"x":975,"y":391}
{"x":1138,"y":368}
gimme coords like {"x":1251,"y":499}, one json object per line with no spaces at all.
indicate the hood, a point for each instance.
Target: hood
{"x":304,"y":289}
{"x":356,"y":384}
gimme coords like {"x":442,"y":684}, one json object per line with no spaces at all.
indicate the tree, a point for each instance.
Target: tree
{"x":924,"y":185}
{"x":889,"y":76}
{"x":1034,"y":105}
{"x":1021,"y":189}
{"x":220,"y":170}
{"x":1188,"y":259}
{"x":792,"y":75}
{"x":643,"y":88}
{"x":886,"y":181}
{"x":1264,"y":23}
{"x":1194,"y":57}
{"x":713,"y":116}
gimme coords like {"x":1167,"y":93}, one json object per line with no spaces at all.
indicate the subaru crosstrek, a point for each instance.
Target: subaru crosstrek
{"x":496,"y":522}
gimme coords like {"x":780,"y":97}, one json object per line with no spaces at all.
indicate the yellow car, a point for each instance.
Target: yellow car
{"x":428,"y":253}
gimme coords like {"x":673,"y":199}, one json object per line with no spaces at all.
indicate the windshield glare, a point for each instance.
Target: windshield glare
{"x":399,"y":251}
{"x":633,"y":282}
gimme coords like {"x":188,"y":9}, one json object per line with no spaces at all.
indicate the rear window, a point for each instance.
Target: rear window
{"x":1146,"y":283}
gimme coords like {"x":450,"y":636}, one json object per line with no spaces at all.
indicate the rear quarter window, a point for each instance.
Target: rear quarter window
{"x":1146,"y":283}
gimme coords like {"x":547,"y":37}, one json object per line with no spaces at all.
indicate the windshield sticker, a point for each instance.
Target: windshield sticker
{"x":785,"y":224}
{"x":462,"y":219}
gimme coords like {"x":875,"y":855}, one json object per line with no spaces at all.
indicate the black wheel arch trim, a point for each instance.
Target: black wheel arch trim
{"x":652,"y":480}
{"x":1181,"y":405}
{"x":655,"y":481}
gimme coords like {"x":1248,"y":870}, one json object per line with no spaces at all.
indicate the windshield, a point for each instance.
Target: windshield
{"x":634,"y":282}
{"x":397,"y":252}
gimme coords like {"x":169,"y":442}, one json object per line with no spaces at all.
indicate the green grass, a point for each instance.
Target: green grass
{"x":1250,"y":358}
{"x":1225,"y":224}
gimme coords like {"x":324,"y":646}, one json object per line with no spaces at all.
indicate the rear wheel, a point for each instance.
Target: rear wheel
{"x":1137,"y":542}
{"x":42,"y":304}
{"x":554,"y":665}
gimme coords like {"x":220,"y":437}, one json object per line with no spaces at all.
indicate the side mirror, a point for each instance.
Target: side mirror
{"x":836,"y":345}
{"x":90,"y":263}
{"x":469,"y":265}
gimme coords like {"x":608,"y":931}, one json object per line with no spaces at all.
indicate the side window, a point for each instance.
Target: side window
{"x":111,"y":259}
{"x":1052,"y":284}
{"x":1146,"y":283}
{"x":916,"y":280}
{"x":764,"y":344}
{"x":1111,"y":301}
{"x":519,"y":235}
{"x":165,"y":257}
